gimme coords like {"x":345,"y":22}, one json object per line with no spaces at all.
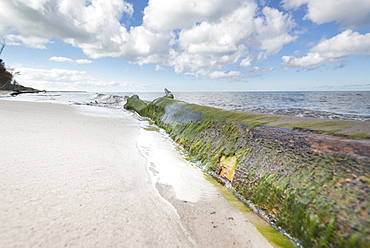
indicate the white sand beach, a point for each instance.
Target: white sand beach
{"x":73,"y":179}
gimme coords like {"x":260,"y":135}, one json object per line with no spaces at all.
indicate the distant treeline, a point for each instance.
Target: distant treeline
{"x":7,"y":81}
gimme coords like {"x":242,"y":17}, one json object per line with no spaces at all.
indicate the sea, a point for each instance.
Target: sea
{"x":340,"y":105}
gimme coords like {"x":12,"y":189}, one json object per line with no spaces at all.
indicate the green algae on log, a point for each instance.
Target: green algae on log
{"x":314,"y":186}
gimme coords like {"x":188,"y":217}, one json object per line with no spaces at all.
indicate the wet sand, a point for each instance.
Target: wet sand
{"x":72,"y":179}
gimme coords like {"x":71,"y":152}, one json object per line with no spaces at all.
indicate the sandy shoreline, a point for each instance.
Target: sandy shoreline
{"x":69,"y":179}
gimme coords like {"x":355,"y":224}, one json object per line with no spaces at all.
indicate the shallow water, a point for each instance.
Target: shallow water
{"x":168,"y":167}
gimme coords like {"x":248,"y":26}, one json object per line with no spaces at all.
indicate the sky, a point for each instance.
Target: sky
{"x":187,"y":45}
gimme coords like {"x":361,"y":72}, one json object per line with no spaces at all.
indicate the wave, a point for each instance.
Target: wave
{"x":105,"y":100}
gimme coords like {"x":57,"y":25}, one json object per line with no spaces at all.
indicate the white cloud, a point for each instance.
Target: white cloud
{"x":224,"y":74}
{"x":95,"y":25}
{"x":165,"y":16}
{"x":332,"y":50}
{"x":61,"y":59}
{"x":214,"y":45}
{"x":32,"y":41}
{"x":257,"y":69}
{"x":82,"y":61}
{"x":246,"y":62}
{"x":195,"y":37}
{"x":62,"y":79}
{"x":58,"y":78}
{"x":351,"y":14}
{"x":76,"y":61}
{"x":159,"y":68}
{"x":215,"y":74}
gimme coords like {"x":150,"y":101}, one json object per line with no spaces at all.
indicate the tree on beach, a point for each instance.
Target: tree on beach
{"x":6,"y":77}
{"x":7,"y":81}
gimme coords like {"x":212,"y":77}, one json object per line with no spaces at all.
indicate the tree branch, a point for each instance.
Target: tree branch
{"x":2,"y":46}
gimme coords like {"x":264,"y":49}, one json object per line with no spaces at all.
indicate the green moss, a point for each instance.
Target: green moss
{"x":302,"y":202}
{"x":317,"y":125}
{"x":218,"y":115}
{"x":327,"y":234}
{"x":134,"y":103}
{"x":273,"y":236}
{"x":353,"y":242}
{"x":322,"y":127}
{"x":359,"y":136}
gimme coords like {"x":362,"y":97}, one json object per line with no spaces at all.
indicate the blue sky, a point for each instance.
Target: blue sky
{"x":188,"y":45}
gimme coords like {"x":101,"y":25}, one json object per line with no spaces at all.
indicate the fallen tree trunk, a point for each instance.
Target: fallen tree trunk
{"x":313,"y":186}
{"x":16,"y":93}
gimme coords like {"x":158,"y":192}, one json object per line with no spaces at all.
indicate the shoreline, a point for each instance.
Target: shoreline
{"x":74,"y":179}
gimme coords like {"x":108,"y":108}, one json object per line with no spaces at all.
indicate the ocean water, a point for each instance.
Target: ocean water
{"x":349,"y":105}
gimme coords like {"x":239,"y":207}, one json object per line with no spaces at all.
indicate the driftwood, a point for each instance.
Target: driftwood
{"x":313,"y":186}
{"x":18,"y":92}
